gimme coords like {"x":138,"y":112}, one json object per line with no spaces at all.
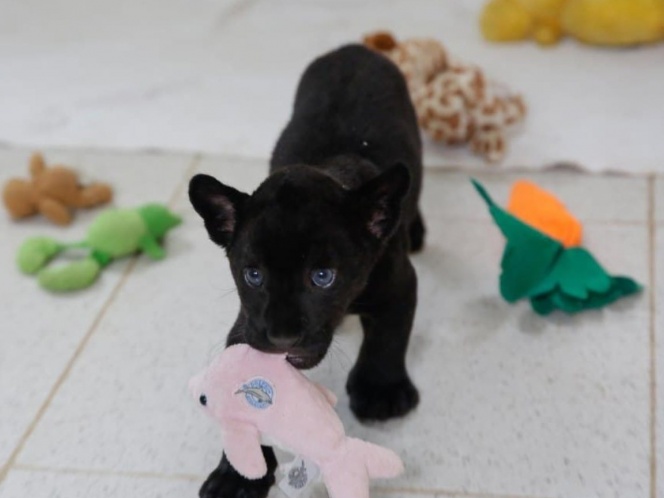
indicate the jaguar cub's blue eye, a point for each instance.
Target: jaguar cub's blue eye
{"x":253,"y":277}
{"x":323,"y":277}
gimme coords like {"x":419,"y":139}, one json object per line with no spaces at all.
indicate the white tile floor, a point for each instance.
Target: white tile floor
{"x":93,"y":397}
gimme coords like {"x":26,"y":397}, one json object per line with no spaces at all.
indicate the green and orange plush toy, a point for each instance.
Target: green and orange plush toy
{"x":543,"y":260}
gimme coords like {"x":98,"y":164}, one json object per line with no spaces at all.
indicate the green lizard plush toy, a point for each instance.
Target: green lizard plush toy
{"x":113,"y":234}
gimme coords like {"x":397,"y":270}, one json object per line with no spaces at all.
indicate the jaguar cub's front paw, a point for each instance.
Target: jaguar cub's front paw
{"x":381,"y":401}
{"x":224,"y":482}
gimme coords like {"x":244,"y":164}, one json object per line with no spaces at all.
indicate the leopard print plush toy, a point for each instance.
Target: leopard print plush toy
{"x":454,"y":102}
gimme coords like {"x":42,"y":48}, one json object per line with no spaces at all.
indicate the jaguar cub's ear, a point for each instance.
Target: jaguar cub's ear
{"x":219,"y":205}
{"x":378,"y":202}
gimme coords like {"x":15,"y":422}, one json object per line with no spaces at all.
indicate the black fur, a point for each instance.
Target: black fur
{"x":342,"y":195}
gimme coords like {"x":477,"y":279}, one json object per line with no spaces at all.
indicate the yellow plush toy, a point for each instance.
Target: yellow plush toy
{"x":597,"y":22}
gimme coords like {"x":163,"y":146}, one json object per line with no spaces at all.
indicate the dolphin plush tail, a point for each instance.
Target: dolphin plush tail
{"x":348,"y":474}
{"x":380,"y":462}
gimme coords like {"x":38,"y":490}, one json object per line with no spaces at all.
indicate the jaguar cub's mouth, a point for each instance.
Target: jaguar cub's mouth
{"x":305,"y":361}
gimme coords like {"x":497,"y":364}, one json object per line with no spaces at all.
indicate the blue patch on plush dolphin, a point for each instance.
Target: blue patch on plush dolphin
{"x":258,"y":392}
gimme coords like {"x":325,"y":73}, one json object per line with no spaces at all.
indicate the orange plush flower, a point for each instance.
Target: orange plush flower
{"x":541,"y":210}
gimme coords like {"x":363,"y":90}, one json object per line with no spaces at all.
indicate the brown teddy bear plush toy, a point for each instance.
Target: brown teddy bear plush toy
{"x":53,"y":192}
{"x":454,"y":102}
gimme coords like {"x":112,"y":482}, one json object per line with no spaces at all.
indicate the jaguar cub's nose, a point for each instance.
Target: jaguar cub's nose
{"x":282,"y":341}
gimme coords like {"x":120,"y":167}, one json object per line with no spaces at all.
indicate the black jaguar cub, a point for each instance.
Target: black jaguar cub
{"x":326,"y":234}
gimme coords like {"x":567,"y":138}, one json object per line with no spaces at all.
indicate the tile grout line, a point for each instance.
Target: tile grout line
{"x":450,"y":493}
{"x":11,"y":461}
{"x":196,"y":477}
{"x":107,"y":472}
{"x":238,"y":9}
{"x":184,"y":182}
{"x":242,"y":156}
{"x":234,"y":11}
{"x":652,"y":263}
{"x":65,"y":373}
{"x":478,"y":220}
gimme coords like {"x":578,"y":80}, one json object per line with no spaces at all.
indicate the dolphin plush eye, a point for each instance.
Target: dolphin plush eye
{"x":253,"y":277}
{"x":203,"y":399}
{"x":323,"y":277}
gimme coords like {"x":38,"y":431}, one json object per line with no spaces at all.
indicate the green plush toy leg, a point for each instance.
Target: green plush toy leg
{"x":151,"y":247}
{"x":74,"y":276}
{"x":36,"y":252}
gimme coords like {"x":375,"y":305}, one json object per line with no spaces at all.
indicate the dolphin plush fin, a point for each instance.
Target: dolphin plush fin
{"x":151,"y":247}
{"x":242,"y":445}
{"x":329,"y":395}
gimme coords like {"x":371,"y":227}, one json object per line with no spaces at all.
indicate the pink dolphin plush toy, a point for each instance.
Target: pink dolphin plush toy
{"x":253,"y":394}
